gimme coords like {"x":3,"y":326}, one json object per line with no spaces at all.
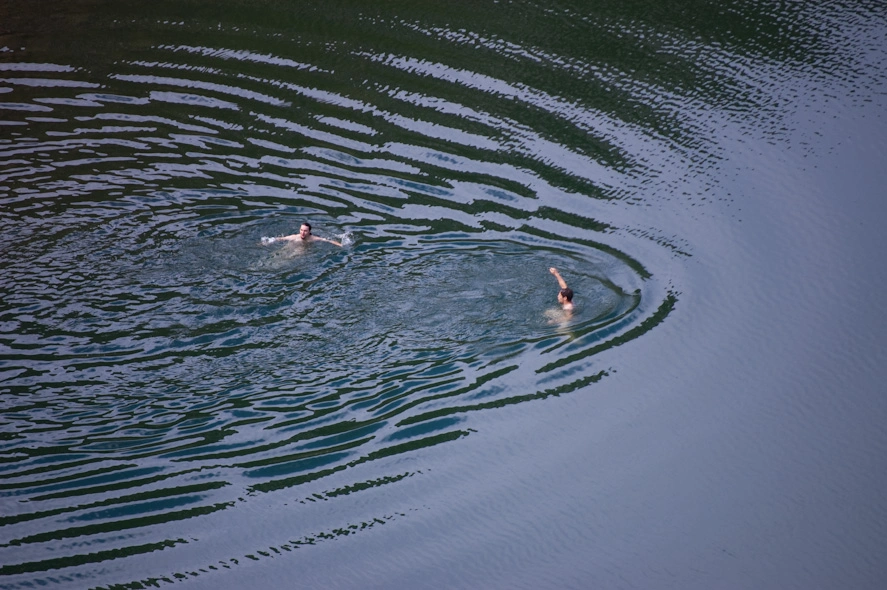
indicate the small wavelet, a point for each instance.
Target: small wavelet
{"x":347,"y":238}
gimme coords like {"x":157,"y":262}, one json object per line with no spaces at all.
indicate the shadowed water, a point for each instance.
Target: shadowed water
{"x":182,"y":395}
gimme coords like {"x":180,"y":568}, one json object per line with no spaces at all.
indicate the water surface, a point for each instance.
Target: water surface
{"x":185,"y":403}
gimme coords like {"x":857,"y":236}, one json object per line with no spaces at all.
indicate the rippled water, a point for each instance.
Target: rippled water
{"x":186,"y":401}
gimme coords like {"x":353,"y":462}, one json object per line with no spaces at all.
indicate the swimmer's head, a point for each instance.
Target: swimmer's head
{"x":305,"y":230}
{"x":565,"y":295}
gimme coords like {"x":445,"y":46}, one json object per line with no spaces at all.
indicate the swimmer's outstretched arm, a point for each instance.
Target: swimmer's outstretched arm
{"x":313,"y":238}
{"x":333,"y":242}
{"x":557,"y":275}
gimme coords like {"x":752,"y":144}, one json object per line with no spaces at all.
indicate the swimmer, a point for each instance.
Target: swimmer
{"x":305,"y":235}
{"x":565,"y":295}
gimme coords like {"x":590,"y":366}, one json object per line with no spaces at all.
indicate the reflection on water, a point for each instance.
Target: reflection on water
{"x":164,"y":362}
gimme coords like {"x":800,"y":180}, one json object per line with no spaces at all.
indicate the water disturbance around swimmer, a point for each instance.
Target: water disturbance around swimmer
{"x":174,"y":350}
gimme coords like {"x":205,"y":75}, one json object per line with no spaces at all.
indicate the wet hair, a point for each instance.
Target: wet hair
{"x":567,"y":293}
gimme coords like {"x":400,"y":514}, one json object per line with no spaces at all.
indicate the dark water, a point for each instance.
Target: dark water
{"x":184,"y":403}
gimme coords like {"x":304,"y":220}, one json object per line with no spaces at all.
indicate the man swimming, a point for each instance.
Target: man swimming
{"x":305,"y":235}
{"x":565,"y":295}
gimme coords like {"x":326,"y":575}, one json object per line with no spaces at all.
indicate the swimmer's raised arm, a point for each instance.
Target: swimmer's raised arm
{"x":565,"y":295}
{"x":557,"y":275}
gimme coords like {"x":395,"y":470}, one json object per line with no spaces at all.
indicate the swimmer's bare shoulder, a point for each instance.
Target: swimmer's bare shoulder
{"x":305,"y":235}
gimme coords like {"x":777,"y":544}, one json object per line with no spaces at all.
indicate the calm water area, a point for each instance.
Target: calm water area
{"x":187,"y":402}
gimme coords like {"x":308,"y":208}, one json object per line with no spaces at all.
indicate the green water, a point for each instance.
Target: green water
{"x":184,"y":401}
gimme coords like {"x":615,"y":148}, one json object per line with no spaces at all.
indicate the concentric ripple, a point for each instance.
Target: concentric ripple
{"x":160,"y":364}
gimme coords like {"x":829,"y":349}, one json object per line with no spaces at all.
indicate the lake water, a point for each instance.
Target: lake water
{"x":184,"y":402}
